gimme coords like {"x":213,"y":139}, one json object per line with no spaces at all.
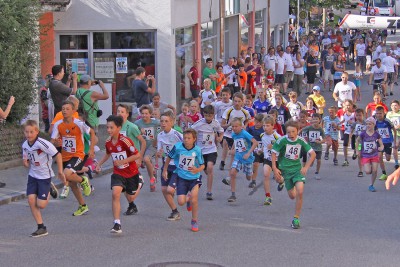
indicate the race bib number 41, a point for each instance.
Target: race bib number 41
{"x":292,"y":152}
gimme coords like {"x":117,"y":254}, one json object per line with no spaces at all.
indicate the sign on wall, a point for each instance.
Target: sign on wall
{"x":103,"y":70}
{"x":121,"y":64}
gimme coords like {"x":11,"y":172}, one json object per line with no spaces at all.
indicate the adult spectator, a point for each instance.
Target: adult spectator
{"x":361,"y":50}
{"x":371,"y":107}
{"x":255,"y":67}
{"x":327,"y":66}
{"x":391,"y":67}
{"x":339,"y":67}
{"x":280,"y":69}
{"x":311,"y":72}
{"x":270,"y":60}
{"x":3,"y":116}
{"x":262,"y":55}
{"x":229,"y":72}
{"x":343,"y":90}
{"x":303,"y":48}
{"x":143,"y":90}
{"x":90,"y":99}
{"x":289,"y":68}
{"x":60,"y":91}
{"x":298,"y":73}
{"x":194,"y":79}
{"x":326,"y":41}
{"x":211,"y":73}
{"x":159,"y":105}
{"x":379,"y":75}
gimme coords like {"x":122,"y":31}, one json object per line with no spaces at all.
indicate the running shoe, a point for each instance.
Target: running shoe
{"x":326,"y":156}
{"x":268,"y":201}
{"x":227,"y":180}
{"x":53,"y":190}
{"x":81,"y":210}
{"x":40,"y":232}
{"x":116,"y":229}
{"x":396,"y":166}
{"x":383,"y":177}
{"x":335,"y":162}
{"x":317,"y":177}
{"x":371,"y":188}
{"x":221,"y":166}
{"x":152,"y":184}
{"x":131,"y":210}
{"x":280,"y":186}
{"x":188,"y":206}
{"x":65,"y":192}
{"x":174,"y":216}
{"x":252,"y":184}
{"x":91,"y":188}
{"x":86,"y":186}
{"x":89,"y":173}
{"x":354,"y":157}
{"x":209,"y":196}
{"x":295,"y":223}
{"x":195,"y":226}
{"x":345,"y":163}
{"x":232,"y":199}
{"x":360,"y":174}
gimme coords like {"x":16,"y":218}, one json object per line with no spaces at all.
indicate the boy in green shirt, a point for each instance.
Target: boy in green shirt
{"x":211,"y":73}
{"x":286,"y":152}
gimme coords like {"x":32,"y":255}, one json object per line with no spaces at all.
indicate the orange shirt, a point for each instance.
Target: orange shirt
{"x":314,"y":47}
{"x":59,"y":117}
{"x":243,"y":79}
{"x":219,"y":79}
{"x":71,"y":135}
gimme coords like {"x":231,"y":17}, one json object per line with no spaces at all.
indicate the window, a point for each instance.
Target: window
{"x":244,"y":32}
{"x":259,"y":31}
{"x":123,"y":40}
{"x":74,"y":54}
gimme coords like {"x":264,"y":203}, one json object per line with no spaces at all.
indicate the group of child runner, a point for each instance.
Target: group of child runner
{"x":285,"y":136}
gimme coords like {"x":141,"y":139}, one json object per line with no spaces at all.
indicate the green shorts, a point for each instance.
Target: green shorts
{"x":291,"y":178}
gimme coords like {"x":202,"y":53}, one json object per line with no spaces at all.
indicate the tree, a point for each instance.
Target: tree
{"x":307,"y":4}
{"x":19,"y":54}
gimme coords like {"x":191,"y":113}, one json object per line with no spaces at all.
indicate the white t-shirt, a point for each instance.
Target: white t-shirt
{"x":226,"y":70}
{"x":220,"y":108}
{"x":348,"y":121}
{"x":299,"y":70}
{"x":288,"y":62}
{"x":389,"y":62}
{"x":231,"y":113}
{"x":344,"y":91}
{"x":166,"y":141}
{"x":206,"y":133}
{"x":269,"y":62}
{"x":281,"y":64}
{"x":379,"y":73}
{"x":360,"y":50}
{"x":326,"y":41}
{"x":40,"y":156}
{"x":207,"y":96}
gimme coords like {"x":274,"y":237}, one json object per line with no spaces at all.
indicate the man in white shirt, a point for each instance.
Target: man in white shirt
{"x":326,"y":41}
{"x":361,"y":54}
{"x":289,"y":68}
{"x":303,"y":49}
{"x":270,"y":60}
{"x":229,"y":73}
{"x":391,"y":67}
{"x":379,"y":75}
{"x":280,"y":69}
{"x":343,"y":90}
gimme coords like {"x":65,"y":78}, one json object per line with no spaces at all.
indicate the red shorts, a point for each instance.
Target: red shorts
{"x":369,"y":160}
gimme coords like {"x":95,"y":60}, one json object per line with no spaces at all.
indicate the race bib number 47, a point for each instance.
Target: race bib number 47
{"x":185,"y":162}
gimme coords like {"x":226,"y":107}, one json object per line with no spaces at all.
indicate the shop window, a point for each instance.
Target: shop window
{"x":73,"y":42}
{"x":124,"y":40}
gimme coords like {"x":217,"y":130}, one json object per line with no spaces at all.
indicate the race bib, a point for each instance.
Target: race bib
{"x":281,"y":119}
{"x":254,"y":84}
{"x":347,"y":127}
{"x":384,"y":132}
{"x":369,"y":147}
{"x":69,"y":144}
{"x":208,"y":138}
{"x":293,"y":152}
{"x":148,"y":133}
{"x":185,"y":162}
{"x":240,"y":145}
{"x":32,"y":157}
{"x":359,"y":128}
{"x":259,"y":146}
{"x":167,"y":148}
{"x":120,"y":156}
{"x":313,"y":136}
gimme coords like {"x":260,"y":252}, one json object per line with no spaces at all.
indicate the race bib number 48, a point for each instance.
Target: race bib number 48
{"x":292,"y":152}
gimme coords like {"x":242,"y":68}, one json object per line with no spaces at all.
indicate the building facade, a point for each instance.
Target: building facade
{"x":109,"y":39}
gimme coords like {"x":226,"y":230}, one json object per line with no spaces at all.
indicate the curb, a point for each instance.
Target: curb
{"x":20,"y":195}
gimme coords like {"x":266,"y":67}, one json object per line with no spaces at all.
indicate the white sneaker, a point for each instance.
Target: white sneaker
{"x":65,"y":192}
{"x":317,"y":177}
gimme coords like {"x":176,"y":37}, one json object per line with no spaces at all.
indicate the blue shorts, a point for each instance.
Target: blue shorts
{"x":171,"y":181}
{"x":247,"y":168}
{"x":185,"y":186}
{"x":357,"y":83}
{"x":39,"y":187}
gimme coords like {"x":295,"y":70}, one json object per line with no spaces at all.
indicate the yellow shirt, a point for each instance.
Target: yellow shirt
{"x":319,"y":101}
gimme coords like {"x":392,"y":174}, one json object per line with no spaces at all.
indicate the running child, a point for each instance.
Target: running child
{"x":277,"y":127}
{"x":357,"y":82}
{"x":315,"y":137}
{"x":294,"y":106}
{"x":385,"y":129}
{"x":286,"y":154}
{"x":125,"y":178}
{"x":194,"y":113}
{"x":368,"y":151}
{"x":331,"y":128}
{"x":209,"y":134}
{"x":223,"y":104}
{"x":268,"y":140}
{"x":283,"y":112}
{"x":148,"y":127}
{"x":319,"y":99}
{"x":189,"y":161}
{"x":37,"y":155}
{"x":356,"y":128}
{"x":347,"y":119}
{"x":394,"y":117}
{"x":248,"y":105}
{"x":166,"y":140}
{"x":71,"y":131}
{"x":256,"y":131}
{"x":207,"y":96}
{"x":183,"y":118}
{"x":244,"y":144}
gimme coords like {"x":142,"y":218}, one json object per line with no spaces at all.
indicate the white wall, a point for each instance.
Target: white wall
{"x":184,"y":13}
{"x":205,"y":9}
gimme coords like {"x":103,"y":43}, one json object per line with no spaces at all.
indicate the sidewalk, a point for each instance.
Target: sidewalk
{"x":17,"y":176}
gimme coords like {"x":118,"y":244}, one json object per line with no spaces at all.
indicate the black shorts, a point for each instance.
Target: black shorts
{"x":212,"y":157}
{"x":229,"y":141}
{"x":346,"y":139}
{"x":353,"y":142}
{"x":75,"y":164}
{"x":269,"y":163}
{"x":390,"y":77}
{"x":318,"y":155}
{"x":129,"y":185}
{"x":387,"y":148}
{"x":171,"y":177}
{"x":38,"y":187}
{"x":258,"y":157}
{"x":279,"y":78}
{"x":377,"y":81}
{"x":311,"y":77}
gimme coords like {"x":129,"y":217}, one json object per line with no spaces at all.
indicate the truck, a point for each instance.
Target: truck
{"x":380,"y":7}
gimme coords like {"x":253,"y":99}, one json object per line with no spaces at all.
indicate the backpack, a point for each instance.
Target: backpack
{"x":81,"y":107}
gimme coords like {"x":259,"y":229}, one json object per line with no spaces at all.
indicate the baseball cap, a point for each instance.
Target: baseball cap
{"x":371,"y":120}
{"x":85,"y":78}
{"x":316,"y":88}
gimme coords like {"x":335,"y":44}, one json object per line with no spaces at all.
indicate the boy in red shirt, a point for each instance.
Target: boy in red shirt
{"x":125,"y":177}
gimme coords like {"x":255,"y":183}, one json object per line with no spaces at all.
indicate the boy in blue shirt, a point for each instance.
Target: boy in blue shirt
{"x":189,"y":163}
{"x":244,"y":144}
{"x":384,"y":127}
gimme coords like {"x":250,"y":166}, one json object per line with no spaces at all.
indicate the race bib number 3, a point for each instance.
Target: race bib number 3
{"x":240,"y":145}
{"x":120,"y":156}
{"x":185,"y":162}
{"x":69,"y":144}
{"x":208,"y":138}
{"x":292,"y":152}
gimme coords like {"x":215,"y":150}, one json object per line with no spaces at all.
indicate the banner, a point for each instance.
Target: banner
{"x":351,"y":21}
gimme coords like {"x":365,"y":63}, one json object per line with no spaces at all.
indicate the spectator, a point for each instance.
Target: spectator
{"x":143,"y":90}
{"x":194,"y":79}
{"x":161,"y":106}
{"x":211,"y":73}
{"x":3,"y":116}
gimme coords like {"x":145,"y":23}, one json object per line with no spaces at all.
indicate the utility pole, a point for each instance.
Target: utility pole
{"x":298,"y":21}
{"x":323,"y":19}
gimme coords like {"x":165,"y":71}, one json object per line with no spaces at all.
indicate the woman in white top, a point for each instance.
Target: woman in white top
{"x":298,"y":63}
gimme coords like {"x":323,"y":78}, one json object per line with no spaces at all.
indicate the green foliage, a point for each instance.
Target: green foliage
{"x":19,"y":54}
{"x":307,"y":4}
